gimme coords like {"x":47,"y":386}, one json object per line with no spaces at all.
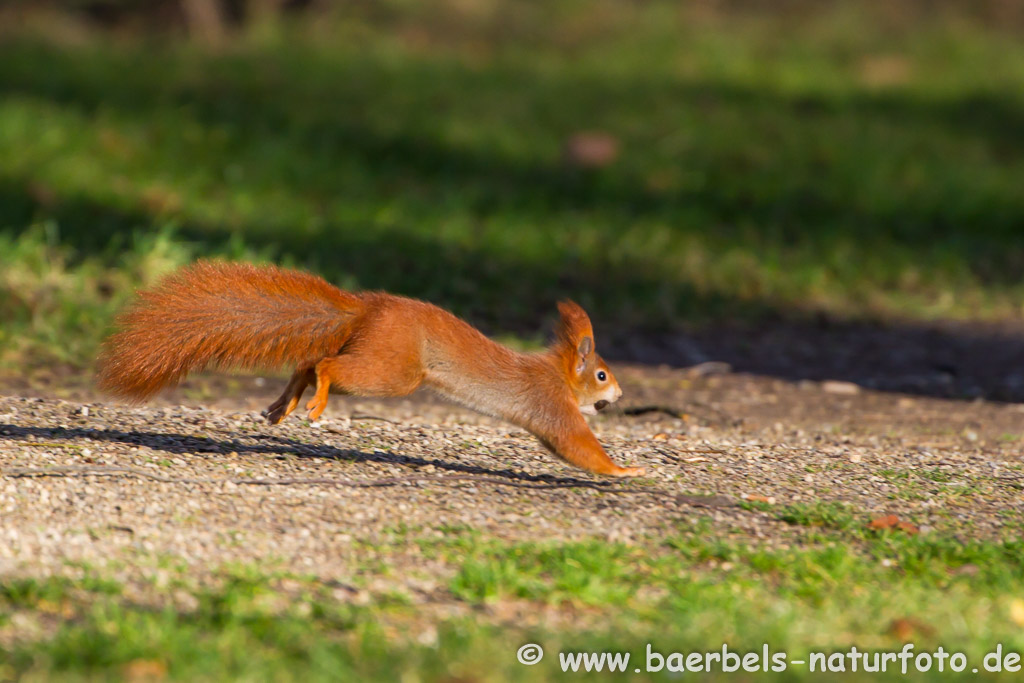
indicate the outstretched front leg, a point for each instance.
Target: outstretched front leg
{"x":573,"y":441}
{"x":283,"y":406}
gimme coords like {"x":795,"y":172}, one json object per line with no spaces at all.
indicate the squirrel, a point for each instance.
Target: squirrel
{"x":370,"y":343}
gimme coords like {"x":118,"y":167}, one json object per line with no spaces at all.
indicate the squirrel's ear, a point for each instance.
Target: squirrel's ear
{"x":585,"y":348}
{"x":575,"y":333}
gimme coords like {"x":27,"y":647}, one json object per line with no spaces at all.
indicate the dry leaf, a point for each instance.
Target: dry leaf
{"x":884,"y":71}
{"x":1017,"y":611}
{"x":892,"y":522}
{"x":761,"y":499}
{"x":834,"y":386}
{"x":905,"y":628}
{"x":886,"y":522}
{"x":159,"y":199}
{"x":908,"y":527}
{"x":145,"y":670}
{"x":590,"y":150}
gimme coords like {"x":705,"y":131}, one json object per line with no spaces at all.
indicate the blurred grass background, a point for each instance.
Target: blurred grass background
{"x":666,"y":163}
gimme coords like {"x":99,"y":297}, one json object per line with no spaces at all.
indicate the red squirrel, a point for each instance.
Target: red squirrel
{"x":234,"y":315}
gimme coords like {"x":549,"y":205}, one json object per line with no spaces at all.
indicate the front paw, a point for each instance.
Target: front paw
{"x":628,"y":472}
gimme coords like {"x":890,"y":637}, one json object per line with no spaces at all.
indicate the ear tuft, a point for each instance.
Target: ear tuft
{"x":574,"y":325}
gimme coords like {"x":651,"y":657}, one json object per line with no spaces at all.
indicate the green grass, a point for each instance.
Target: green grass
{"x":683,"y":593}
{"x":832,"y":515}
{"x":838,"y":163}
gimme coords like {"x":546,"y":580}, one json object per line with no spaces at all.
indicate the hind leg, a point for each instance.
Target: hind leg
{"x":283,"y":406}
{"x":360,"y":373}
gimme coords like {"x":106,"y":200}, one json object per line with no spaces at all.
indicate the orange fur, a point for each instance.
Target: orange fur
{"x":224,"y":315}
{"x":364,"y":344}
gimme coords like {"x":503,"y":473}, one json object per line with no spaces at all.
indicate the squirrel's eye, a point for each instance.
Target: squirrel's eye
{"x":601,"y":376}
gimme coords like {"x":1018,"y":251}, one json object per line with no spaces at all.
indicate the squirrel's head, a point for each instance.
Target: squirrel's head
{"x":591,"y":380}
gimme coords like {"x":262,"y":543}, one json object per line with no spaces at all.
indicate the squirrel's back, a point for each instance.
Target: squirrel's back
{"x":226,"y":315}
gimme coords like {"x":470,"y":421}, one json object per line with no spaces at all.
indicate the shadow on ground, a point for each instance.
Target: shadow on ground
{"x":282,"y":447}
{"x":944,"y":360}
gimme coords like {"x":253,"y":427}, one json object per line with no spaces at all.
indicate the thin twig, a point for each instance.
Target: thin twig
{"x":643,"y":410}
{"x":365,"y":416}
{"x":678,"y":413}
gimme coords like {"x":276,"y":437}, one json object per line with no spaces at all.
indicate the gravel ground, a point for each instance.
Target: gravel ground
{"x":134,"y":489}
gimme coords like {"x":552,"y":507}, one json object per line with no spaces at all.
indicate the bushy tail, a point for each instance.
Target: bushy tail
{"x":227,"y":315}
